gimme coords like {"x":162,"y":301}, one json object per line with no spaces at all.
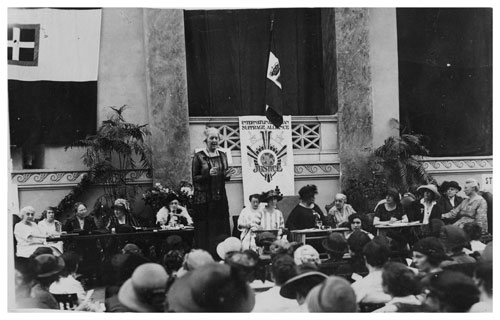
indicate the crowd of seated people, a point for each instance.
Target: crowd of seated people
{"x":446,"y":265}
{"x":298,"y":281}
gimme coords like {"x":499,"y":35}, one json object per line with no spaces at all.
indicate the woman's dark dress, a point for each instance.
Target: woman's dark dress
{"x":211,"y":210}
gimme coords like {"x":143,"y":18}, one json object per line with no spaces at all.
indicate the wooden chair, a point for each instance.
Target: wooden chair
{"x":67,"y":301}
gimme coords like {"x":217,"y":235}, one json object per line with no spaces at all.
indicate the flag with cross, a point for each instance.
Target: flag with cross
{"x":52,"y":57}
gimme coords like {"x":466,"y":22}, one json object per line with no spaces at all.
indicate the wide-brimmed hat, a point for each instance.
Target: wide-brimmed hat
{"x":269,"y":194}
{"x":171,"y":197}
{"x":47,"y":265}
{"x":308,"y":278}
{"x":453,"y":184}
{"x":431,"y":247}
{"x":121,"y":204}
{"x":265,"y":238}
{"x":306,"y":254}
{"x":145,"y":290}
{"x":197,"y":258}
{"x":214,"y":288}
{"x":228,"y":245}
{"x":334,"y":243}
{"x":131,"y":248}
{"x":431,"y":188}
{"x":333,"y":295}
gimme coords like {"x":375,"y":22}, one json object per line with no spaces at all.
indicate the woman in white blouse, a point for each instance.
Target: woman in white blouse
{"x":51,"y":227}
{"x":28,"y":235}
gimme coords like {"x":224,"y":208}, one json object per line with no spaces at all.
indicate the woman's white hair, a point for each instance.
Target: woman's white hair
{"x":209,"y":131}
{"x":25,"y":210}
{"x":473,"y":183}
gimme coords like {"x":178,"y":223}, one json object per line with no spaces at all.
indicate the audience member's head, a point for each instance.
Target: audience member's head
{"x":336,"y":245}
{"x":283,"y":268}
{"x":356,"y":242}
{"x":131,"y":248}
{"x":47,"y":268}
{"x":71,"y":261}
{"x":196,"y":258}
{"x":145,"y":290}
{"x":124,"y":265}
{"x":428,"y":253}
{"x":265,"y":239}
{"x":398,"y":280}
{"x":453,"y":238}
{"x":279,"y":246}
{"x":299,"y":286}
{"x":174,"y":242}
{"x":80,"y":210}
{"x":473,"y":230}
{"x":451,"y":291}
{"x":483,"y":277}
{"x":229,"y":245}
{"x":306,"y":254}
{"x":376,"y":253}
{"x":245,"y":262}
{"x":333,"y":295}
{"x":172,"y":261}
{"x":214,"y":288}
{"x":471,"y":187}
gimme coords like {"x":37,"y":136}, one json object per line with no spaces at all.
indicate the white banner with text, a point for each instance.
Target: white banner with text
{"x":266,"y":156}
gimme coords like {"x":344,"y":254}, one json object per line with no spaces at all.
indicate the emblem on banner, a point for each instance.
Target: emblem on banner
{"x":267,"y":157}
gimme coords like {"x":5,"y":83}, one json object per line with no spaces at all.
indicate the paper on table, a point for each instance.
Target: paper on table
{"x":89,"y":294}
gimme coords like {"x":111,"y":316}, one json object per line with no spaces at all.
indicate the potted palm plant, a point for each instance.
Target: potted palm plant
{"x":399,"y":157}
{"x":117,"y":147}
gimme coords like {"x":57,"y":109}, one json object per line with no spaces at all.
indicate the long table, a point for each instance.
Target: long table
{"x":184,"y":233}
{"x":382,"y":229}
{"x":311,"y":234}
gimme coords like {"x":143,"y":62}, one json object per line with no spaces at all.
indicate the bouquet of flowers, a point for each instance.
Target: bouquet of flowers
{"x":161,"y":195}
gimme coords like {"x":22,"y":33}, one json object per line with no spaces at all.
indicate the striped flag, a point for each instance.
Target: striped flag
{"x":52,"y":57}
{"x":274,"y":104}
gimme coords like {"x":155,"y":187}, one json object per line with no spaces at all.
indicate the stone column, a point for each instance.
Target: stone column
{"x":167,"y":94}
{"x":367,"y":83}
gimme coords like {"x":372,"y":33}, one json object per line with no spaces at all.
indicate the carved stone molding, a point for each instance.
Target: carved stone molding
{"x":51,"y":179}
{"x":458,"y":164}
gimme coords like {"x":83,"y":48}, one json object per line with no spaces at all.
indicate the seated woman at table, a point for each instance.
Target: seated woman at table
{"x":337,"y":216}
{"x":51,"y":227}
{"x":272,"y":218}
{"x":427,"y":208}
{"x":81,"y":220}
{"x":121,"y":218}
{"x":249,"y":222}
{"x":28,"y":235}
{"x":390,"y":211}
{"x":306,"y":214}
{"x":173,"y":214}
{"x":356,"y":224}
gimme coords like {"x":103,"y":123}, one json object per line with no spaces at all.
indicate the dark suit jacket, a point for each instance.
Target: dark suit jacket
{"x":73,"y":224}
{"x":417,"y":212}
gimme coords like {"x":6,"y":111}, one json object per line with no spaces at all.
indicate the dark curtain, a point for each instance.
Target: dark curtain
{"x":445,"y":78}
{"x":227,"y":52}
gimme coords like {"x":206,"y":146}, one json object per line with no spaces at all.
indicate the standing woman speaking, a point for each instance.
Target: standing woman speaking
{"x":211,"y":211}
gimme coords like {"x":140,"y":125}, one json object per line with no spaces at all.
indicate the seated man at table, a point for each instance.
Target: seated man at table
{"x":472,"y":209}
{"x":337,"y":215}
{"x":306,"y":214}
